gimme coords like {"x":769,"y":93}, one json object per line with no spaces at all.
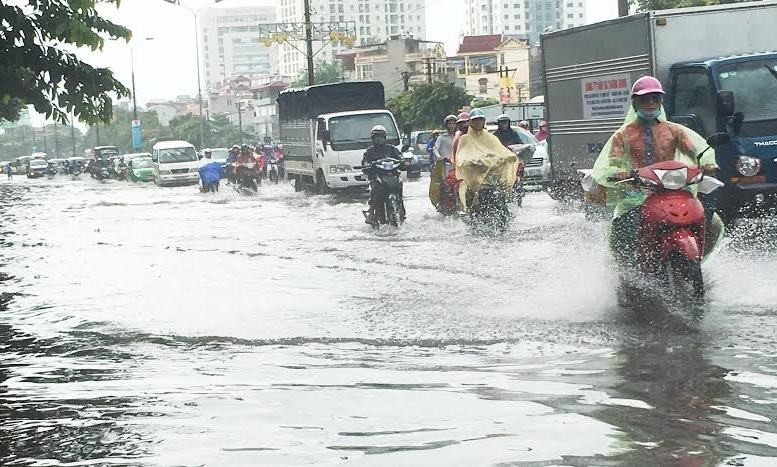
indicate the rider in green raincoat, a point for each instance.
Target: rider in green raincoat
{"x":645,"y":138}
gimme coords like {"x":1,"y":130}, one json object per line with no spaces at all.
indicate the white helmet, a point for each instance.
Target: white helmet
{"x":378,"y":130}
{"x":503,"y":118}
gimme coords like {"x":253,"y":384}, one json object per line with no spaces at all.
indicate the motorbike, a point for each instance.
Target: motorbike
{"x":449,"y":193}
{"x":489,"y":207}
{"x":245,"y":178}
{"x":524,"y":153}
{"x":273,"y":172}
{"x":672,"y":237}
{"x":101,"y":173}
{"x":386,"y":186}
{"x":410,"y":163}
{"x":121,"y":173}
{"x":51,"y":171}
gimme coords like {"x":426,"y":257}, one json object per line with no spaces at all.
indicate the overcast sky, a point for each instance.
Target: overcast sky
{"x":165,"y":66}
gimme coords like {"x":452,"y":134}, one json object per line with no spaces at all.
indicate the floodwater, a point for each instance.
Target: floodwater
{"x":149,"y":326}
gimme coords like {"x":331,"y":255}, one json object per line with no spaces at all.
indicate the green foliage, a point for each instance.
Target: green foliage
{"x":22,"y":141}
{"x":119,"y":132}
{"x":323,"y":72}
{"x":426,"y":105}
{"x":219,"y":131}
{"x":38,"y":66}
{"x":645,"y":5}
{"x":483,"y":102}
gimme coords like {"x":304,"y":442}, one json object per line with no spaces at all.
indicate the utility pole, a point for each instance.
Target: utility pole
{"x":623,"y":7}
{"x":406,"y":80}
{"x":97,"y":133}
{"x":428,"y":61}
{"x":45,"y":143}
{"x":56,"y":140}
{"x":309,"y":44}
{"x":240,"y":119}
{"x":73,"y":132}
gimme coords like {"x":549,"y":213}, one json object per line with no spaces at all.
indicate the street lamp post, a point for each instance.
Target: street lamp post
{"x":135,"y":101}
{"x":132,"y":66}
{"x":195,"y":13}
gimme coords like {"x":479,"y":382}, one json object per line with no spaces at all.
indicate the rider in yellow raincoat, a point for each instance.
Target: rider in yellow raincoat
{"x":645,"y":138}
{"x":481,"y":158}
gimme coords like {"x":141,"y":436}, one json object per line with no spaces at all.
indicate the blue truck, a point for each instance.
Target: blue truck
{"x":718,"y":65}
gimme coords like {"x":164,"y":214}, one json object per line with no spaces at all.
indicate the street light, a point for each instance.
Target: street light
{"x":132,"y":65}
{"x":197,"y":49}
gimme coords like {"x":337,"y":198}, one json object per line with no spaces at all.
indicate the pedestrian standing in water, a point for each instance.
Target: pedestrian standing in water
{"x":9,"y":172}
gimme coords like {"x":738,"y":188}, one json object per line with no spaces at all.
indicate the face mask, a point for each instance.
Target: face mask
{"x":648,"y":116}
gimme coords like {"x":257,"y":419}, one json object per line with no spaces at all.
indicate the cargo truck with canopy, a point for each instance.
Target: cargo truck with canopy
{"x":718,"y":66}
{"x":325,"y":130}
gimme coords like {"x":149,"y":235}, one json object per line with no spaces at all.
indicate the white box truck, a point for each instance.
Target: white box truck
{"x":325,"y":130}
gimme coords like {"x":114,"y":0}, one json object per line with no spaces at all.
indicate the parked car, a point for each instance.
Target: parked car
{"x":175,"y":163}
{"x":419,"y":140}
{"x":538,"y":171}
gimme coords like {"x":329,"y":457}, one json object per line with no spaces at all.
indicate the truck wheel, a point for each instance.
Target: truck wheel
{"x":321,"y":186}
{"x":298,"y":184}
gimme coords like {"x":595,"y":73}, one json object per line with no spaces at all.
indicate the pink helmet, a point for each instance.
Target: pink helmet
{"x":463,"y":117}
{"x":646,"y":85}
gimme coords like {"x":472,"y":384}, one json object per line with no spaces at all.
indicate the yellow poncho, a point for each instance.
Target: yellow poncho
{"x":481,"y":158}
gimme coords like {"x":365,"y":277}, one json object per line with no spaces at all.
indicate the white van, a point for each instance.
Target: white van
{"x":175,"y":163}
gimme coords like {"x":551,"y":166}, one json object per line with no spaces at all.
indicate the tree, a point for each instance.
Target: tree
{"x":23,"y":140}
{"x":219,"y":131}
{"x":323,"y":72}
{"x":483,"y":102}
{"x":645,"y":5}
{"x":38,"y":67}
{"x":427,"y":104}
{"x":119,"y":132}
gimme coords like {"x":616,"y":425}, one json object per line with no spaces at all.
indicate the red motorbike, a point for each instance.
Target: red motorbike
{"x":671,"y":240}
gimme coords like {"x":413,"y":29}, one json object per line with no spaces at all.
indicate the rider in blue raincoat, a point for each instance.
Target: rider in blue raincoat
{"x":210,"y":174}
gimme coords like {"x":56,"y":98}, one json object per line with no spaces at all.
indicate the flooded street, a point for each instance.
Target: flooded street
{"x":148,"y":326}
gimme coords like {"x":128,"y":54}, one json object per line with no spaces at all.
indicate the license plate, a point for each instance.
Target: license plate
{"x":533,"y":172}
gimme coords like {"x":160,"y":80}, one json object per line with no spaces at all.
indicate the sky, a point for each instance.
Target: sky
{"x":166,"y":65}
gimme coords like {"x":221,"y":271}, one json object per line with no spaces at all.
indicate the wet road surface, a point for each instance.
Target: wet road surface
{"x":148,"y":326}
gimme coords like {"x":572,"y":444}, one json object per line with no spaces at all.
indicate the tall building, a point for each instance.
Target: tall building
{"x":229,"y":46}
{"x":528,"y":18}
{"x":375,"y":22}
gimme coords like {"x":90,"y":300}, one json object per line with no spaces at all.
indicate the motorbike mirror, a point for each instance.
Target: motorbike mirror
{"x":718,"y":139}
{"x":408,"y":128}
{"x":725,"y":103}
{"x":405,"y":148}
{"x":525,"y":155}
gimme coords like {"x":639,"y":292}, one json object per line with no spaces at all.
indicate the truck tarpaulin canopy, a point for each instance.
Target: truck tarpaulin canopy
{"x":312,"y":101}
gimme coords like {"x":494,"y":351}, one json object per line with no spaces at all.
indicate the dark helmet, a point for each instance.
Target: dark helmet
{"x":449,"y":118}
{"x":503,"y":118}
{"x":244,"y":147}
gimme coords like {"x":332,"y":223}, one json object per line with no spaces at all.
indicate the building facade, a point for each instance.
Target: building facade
{"x":395,"y":60}
{"x":528,"y":18}
{"x":229,"y":46}
{"x":494,"y":66}
{"x":374,"y":20}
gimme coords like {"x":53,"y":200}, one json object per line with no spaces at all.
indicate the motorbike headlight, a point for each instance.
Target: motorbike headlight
{"x":673,"y":179}
{"x":748,"y":166}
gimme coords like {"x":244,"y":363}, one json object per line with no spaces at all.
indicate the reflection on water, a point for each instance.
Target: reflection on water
{"x":141,"y":326}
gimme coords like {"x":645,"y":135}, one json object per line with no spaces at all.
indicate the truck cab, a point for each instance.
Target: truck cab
{"x":735,"y":95}
{"x":340,"y":143}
